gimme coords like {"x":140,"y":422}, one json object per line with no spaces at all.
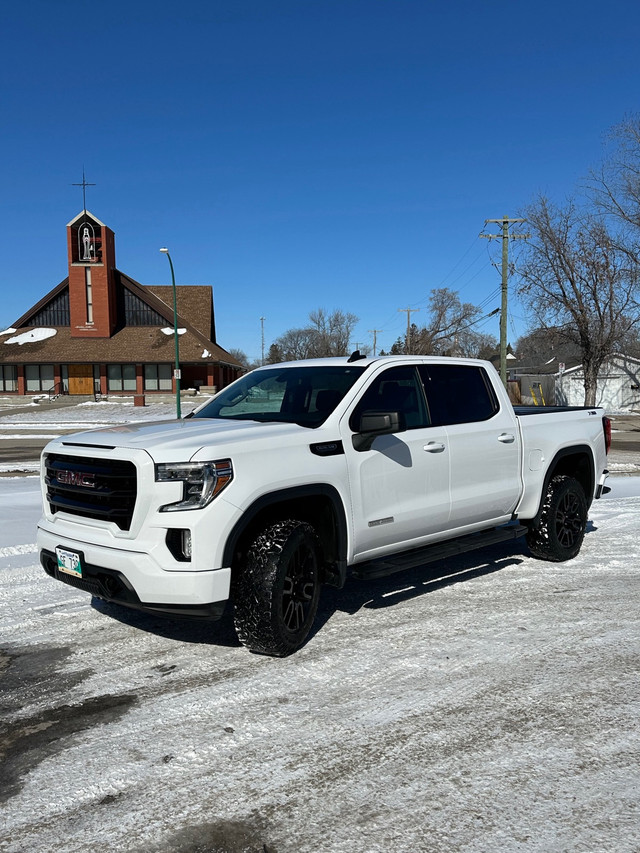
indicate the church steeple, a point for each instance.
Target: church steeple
{"x":92,"y":291}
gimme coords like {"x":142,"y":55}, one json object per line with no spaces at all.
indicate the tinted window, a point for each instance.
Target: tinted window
{"x":457,"y":393}
{"x":396,"y":390}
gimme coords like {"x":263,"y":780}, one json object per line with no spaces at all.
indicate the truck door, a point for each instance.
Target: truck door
{"x":483,"y":442}
{"x":400,"y":485}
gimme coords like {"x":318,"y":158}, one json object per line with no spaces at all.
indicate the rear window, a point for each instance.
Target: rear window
{"x":457,"y":393}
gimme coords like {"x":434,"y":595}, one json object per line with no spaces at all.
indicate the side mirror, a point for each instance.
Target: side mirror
{"x":373,"y":424}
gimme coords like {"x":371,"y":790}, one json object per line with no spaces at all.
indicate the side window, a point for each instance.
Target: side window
{"x":458,"y":393}
{"x":396,"y":390}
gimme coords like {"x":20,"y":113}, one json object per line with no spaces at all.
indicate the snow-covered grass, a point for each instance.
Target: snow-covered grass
{"x":100,"y":411}
{"x":488,"y":703}
{"x":39,"y":420}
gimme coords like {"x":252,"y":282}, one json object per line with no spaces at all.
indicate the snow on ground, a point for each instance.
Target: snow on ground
{"x":487,"y":703}
{"x":100,"y":412}
{"x":39,"y":420}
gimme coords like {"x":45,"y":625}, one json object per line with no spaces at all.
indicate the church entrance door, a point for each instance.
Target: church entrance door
{"x":81,"y":379}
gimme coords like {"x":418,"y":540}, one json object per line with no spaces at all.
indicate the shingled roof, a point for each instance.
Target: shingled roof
{"x":133,"y":343}
{"x":195,"y":304}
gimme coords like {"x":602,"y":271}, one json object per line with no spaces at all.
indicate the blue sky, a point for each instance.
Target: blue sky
{"x":298,"y":154}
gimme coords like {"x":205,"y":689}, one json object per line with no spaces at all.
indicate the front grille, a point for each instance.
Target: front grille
{"x":104,"y":489}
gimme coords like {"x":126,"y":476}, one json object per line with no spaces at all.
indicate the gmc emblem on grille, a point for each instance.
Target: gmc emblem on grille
{"x":76,"y":478}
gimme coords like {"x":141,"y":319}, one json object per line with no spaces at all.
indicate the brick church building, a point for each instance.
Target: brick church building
{"x":101,"y":332}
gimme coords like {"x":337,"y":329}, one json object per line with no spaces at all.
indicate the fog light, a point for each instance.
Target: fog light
{"x":186,"y":544}
{"x":179,"y":544}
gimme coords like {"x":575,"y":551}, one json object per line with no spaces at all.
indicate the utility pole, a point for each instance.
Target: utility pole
{"x":262,"y":319}
{"x":407,"y":344}
{"x":505,"y":237}
{"x":374,"y":332}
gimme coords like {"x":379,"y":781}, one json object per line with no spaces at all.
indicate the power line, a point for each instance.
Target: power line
{"x":457,"y":264}
{"x":422,"y":302}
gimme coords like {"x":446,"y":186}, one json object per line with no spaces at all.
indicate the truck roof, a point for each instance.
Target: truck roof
{"x":366,"y":361}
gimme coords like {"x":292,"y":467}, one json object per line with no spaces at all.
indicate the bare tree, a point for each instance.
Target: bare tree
{"x":449,"y":330}
{"x":615,"y":185}
{"x":333,"y":331}
{"x":547,"y":345}
{"x":243,"y":358}
{"x":327,"y":335}
{"x":577,"y":277}
{"x":293,"y":345}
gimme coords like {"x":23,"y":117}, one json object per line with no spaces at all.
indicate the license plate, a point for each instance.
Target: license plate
{"x":69,"y":562}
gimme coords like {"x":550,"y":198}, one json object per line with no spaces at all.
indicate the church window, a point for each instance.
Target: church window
{"x":138,"y":313}
{"x":8,"y":377}
{"x":121,"y":377}
{"x":38,"y":377}
{"x":55,"y":312}
{"x":157,"y":377}
{"x":89,"y":293}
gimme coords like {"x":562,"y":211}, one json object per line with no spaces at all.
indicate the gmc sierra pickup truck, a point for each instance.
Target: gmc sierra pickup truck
{"x":302,"y":474}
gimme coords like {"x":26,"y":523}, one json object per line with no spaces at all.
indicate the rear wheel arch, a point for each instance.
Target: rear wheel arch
{"x":576,"y":462}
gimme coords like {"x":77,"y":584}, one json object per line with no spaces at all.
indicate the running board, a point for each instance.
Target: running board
{"x":430,"y":553}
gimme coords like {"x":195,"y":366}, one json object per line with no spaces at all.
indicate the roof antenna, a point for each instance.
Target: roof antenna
{"x":355,"y":356}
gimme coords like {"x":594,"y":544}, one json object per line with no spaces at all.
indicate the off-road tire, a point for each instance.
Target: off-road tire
{"x":558,"y":533}
{"x":276,"y":590}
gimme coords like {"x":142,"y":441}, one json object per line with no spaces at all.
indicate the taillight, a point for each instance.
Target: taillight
{"x":606,"y":425}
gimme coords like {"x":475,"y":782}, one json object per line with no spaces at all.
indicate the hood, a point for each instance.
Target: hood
{"x":174,"y":440}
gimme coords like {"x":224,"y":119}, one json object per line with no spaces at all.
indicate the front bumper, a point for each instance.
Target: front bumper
{"x":134,"y":579}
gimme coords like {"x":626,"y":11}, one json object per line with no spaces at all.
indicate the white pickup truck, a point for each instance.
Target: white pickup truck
{"x":300,"y":474}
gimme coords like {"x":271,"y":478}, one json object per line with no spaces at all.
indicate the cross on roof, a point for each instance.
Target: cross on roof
{"x":84,"y":186}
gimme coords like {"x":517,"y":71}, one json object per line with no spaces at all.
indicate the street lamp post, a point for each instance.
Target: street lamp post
{"x":176,"y":372}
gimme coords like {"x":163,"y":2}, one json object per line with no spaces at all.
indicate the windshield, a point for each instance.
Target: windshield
{"x":300,"y":395}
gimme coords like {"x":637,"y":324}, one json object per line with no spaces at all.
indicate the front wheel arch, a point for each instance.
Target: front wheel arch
{"x":319,"y":504}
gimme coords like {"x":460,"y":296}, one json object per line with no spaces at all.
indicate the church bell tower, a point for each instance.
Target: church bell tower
{"x":92,"y":289}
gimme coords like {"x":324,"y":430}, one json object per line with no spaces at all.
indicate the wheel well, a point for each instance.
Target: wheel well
{"x":580,"y":467}
{"x":576,"y":462}
{"x":319,"y":510}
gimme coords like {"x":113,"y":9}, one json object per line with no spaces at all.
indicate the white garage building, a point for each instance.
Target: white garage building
{"x":618,"y":385}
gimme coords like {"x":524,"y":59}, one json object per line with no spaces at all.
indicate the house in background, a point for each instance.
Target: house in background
{"x":99,"y":331}
{"x":618,"y":385}
{"x":561,"y":383}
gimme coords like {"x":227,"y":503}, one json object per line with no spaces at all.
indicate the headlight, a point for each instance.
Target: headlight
{"x":202,"y":481}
